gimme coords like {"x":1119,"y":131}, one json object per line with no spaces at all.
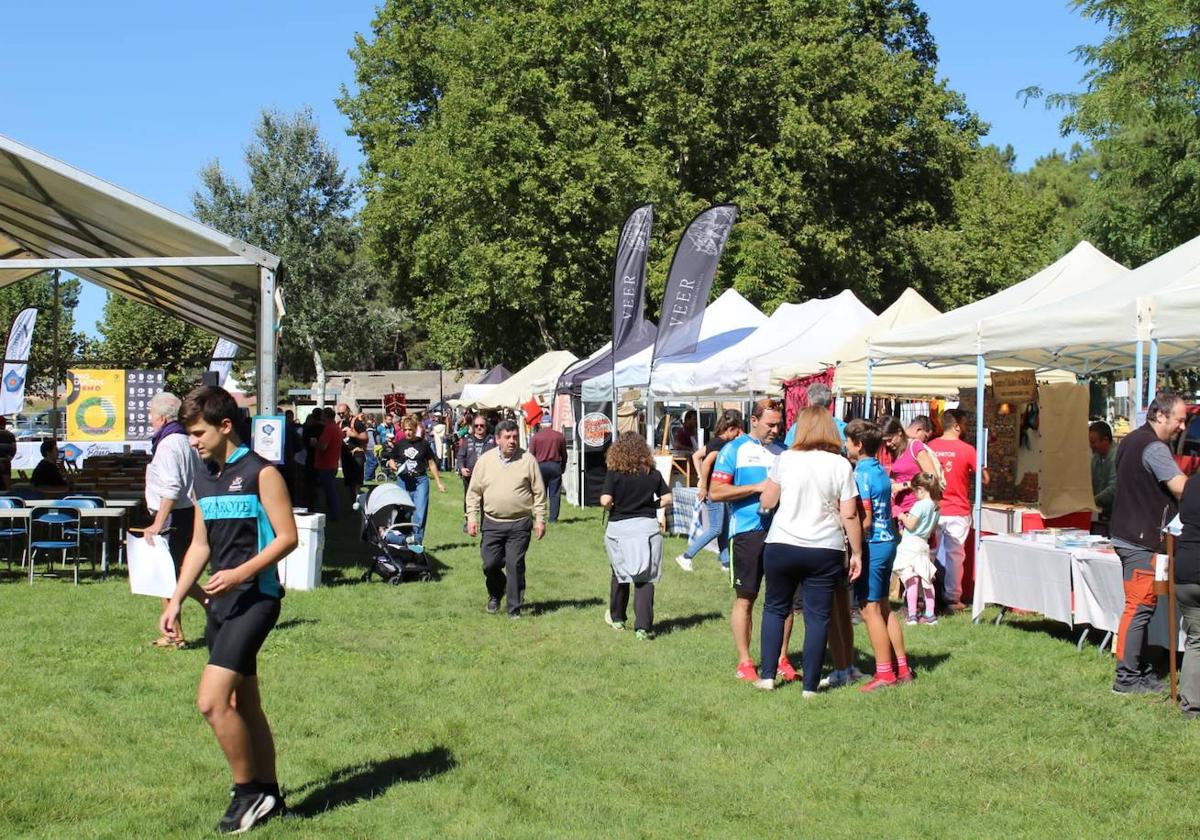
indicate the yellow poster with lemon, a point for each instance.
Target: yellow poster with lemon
{"x":95,"y":405}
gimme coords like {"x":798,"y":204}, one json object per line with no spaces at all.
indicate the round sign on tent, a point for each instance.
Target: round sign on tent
{"x":596,"y":429}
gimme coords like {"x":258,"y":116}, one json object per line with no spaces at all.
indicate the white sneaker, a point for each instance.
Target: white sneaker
{"x":685,"y":563}
{"x":765,"y":685}
{"x":835,"y":680}
{"x":808,"y":695}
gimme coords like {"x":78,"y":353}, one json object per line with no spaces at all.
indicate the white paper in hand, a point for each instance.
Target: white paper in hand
{"x":151,"y":570}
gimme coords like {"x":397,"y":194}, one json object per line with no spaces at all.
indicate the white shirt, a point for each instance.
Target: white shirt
{"x":171,"y":472}
{"x":813,"y":484}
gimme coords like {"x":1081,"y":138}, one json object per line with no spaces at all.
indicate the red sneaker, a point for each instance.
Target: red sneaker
{"x":785,"y":671}
{"x":905,"y":677}
{"x":746,"y":671}
{"x":875,"y":684}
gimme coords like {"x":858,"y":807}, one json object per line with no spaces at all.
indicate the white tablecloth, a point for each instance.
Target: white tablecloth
{"x":1018,"y":573}
{"x":1100,"y":596}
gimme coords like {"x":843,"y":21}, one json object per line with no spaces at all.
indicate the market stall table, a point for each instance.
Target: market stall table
{"x":1074,"y":585}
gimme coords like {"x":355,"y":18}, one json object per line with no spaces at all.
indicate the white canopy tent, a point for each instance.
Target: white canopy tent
{"x":54,"y":216}
{"x":793,"y":332}
{"x":903,"y":380}
{"x":969,"y":333}
{"x":727,"y":320}
{"x":535,"y":379}
{"x":987,"y":327}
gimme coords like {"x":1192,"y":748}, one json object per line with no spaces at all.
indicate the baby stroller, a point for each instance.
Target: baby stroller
{"x":386,"y":528}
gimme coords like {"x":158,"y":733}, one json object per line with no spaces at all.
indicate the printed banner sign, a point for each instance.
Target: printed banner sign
{"x":1015,"y":387}
{"x":629,"y":276}
{"x":690,"y":280}
{"x":267,"y":432}
{"x":20,"y":338}
{"x":110,"y":405}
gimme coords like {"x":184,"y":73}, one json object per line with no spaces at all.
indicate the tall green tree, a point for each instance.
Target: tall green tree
{"x":505,"y":142}
{"x":1003,"y":229}
{"x":1139,"y":110}
{"x":44,"y":353}
{"x":297,"y":204}
{"x":133,"y":335}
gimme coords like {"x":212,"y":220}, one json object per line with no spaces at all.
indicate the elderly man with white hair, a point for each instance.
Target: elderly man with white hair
{"x":173,"y":467}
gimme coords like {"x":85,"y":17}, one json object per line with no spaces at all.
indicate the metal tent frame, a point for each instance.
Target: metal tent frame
{"x":54,"y":216}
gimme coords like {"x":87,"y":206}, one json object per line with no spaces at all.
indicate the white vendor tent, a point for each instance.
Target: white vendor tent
{"x":535,"y":379}
{"x":793,"y":334}
{"x":1101,"y":329}
{"x":903,"y":380}
{"x":987,"y":328}
{"x":54,"y":216}
{"x":727,"y":320}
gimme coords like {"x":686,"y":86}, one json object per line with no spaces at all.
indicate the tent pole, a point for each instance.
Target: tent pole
{"x":268,"y":383}
{"x":870,"y":374}
{"x":1137,"y":376}
{"x":980,"y":452}
{"x":1152,"y":372}
{"x":650,"y":419}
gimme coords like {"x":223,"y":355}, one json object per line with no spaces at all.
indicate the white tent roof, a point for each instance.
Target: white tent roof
{"x":727,"y":320}
{"x":1001,"y":327}
{"x":538,"y":377}
{"x":897,"y":380}
{"x":1098,"y":330}
{"x":744,"y":368}
{"x":53,"y":215}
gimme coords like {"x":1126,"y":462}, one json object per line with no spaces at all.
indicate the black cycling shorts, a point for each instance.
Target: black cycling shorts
{"x":234,"y":639}
{"x":746,"y":555}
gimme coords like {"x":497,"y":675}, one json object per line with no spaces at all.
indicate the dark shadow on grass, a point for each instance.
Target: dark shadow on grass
{"x":1033,"y":623}
{"x":925,"y":663}
{"x":364,"y":782}
{"x":294,"y":622}
{"x":547,"y":607}
{"x":452,"y":546}
{"x":685,"y":622}
{"x":570,"y":520}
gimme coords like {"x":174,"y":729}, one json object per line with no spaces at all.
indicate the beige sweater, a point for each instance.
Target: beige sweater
{"x":506,"y":491}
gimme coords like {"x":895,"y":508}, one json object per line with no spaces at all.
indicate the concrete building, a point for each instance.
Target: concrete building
{"x":364,"y":390}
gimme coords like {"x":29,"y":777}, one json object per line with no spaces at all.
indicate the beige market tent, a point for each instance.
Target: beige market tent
{"x":984,"y":329}
{"x":538,"y":377}
{"x":904,"y":380}
{"x":54,"y":216}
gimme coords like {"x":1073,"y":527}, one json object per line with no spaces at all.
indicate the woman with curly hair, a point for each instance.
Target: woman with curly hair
{"x":634,"y":490}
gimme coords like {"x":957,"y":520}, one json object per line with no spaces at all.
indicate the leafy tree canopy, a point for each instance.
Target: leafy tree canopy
{"x":38,"y":292}
{"x":505,"y":142}
{"x":297,"y":204}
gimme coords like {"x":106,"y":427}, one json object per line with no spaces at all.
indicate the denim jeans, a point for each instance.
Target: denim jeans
{"x":716,"y":528}
{"x":552,"y":477}
{"x":370,"y":465}
{"x":417,"y":487}
{"x":786,"y":567}
{"x":328,"y":482}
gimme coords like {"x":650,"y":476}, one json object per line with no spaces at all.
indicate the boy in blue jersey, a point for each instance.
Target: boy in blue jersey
{"x":243,"y":527}
{"x":738,"y":478}
{"x":863,"y":440}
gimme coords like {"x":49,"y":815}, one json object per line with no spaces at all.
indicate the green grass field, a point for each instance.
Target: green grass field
{"x":409,"y":712}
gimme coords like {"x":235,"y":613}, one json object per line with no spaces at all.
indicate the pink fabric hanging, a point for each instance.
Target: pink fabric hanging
{"x":795,"y":393}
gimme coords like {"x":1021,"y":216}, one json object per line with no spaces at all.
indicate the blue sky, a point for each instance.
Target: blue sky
{"x":144,"y":93}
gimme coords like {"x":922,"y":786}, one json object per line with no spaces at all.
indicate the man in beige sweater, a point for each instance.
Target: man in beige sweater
{"x":507,"y":485}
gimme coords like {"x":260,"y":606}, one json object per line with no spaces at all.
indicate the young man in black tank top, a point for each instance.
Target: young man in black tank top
{"x":243,"y":528}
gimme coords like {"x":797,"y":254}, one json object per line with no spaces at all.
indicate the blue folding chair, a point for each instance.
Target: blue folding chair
{"x":90,"y":536}
{"x":10,"y":533}
{"x":60,"y":532}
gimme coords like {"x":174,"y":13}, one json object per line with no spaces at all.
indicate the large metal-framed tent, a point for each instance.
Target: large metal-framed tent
{"x":55,"y":216}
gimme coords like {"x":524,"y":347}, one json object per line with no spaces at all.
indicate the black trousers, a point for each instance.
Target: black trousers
{"x":503,"y":548}
{"x":643,"y":603}
{"x":552,"y":478}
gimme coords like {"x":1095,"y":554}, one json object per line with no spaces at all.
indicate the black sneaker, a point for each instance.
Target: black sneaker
{"x":493,"y":606}
{"x":246,"y":811}
{"x":1135,"y":688}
